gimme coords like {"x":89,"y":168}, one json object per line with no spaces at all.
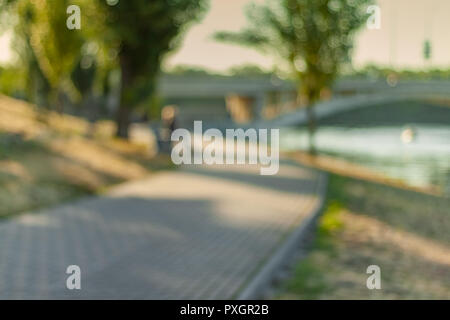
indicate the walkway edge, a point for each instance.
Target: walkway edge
{"x":265,"y":275}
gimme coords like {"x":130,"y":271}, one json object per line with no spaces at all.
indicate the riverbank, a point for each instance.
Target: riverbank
{"x":403,"y":231}
{"x":46,"y":159}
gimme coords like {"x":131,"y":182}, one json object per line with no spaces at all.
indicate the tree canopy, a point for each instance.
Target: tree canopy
{"x":131,"y":35}
{"x":142,"y":32}
{"x":313,"y":37}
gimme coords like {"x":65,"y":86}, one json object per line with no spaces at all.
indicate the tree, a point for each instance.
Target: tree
{"x":46,"y":47}
{"x":17,"y":16}
{"x":55,"y":46}
{"x":143,"y":31}
{"x":313,"y":37}
{"x":133,"y":35}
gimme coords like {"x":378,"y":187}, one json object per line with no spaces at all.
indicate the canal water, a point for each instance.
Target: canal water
{"x":423,"y":161}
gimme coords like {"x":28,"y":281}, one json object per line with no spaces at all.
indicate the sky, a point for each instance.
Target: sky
{"x":5,"y":53}
{"x":399,"y":42}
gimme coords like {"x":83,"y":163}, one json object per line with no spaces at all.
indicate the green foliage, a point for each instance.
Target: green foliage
{"x":184,"y":70}
{"x":248,"y":70}
{"x":143,"y":32}
{"x":16,"y":16}
{"x":307,"y":280}
{"x":46,"y":49}
{"x":377,"y":72}
{"x":132,"y":35}
{"x":314,"y":37}
{"x":12,"y":81}
{"x":56,"y":47}
{"x":330,"y":221}
{"x":427,"y":50}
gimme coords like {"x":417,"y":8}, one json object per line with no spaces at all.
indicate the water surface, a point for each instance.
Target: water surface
{"x":423,"y":162}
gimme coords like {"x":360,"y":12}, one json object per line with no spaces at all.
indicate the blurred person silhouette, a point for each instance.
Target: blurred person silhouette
{"x":168,"y":125}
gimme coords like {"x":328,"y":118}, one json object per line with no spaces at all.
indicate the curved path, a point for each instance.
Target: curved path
{"x":194,"y":233}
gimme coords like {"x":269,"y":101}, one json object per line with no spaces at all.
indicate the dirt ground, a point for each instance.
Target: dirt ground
{"x":404,"y":232}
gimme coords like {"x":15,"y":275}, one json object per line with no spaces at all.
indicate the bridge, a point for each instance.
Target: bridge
{"x":271,"y":102}
{"x":366,"y":94}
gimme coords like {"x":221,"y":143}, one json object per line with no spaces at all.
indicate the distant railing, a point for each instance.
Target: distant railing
{"x":412,"y":91}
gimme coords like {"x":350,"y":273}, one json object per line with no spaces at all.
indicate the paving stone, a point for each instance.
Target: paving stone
{"x":195,"y":233}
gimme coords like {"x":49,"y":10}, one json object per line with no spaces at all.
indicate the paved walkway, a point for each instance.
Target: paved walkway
{"x":195,"y":233}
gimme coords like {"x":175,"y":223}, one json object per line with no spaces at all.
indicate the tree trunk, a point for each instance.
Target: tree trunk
{"x":124,"y":110}
{"x":311,"y":128}
{"x":132,"y":92}
{"x":123,"y":121}
{"x":59,"y":101}
{"x":309,"y":93}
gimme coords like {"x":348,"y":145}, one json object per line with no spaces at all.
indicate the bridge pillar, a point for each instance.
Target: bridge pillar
{"x":240,"y":107}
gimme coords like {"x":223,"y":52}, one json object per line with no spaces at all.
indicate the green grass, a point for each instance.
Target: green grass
{"x":307,"y":281}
